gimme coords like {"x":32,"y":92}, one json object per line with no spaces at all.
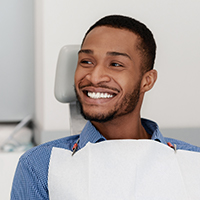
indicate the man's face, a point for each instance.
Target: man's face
{"x":108,"y":75}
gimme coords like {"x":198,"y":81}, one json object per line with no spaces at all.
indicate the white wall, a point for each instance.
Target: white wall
{"x":174,"y":102}
{"x":16,"y":60}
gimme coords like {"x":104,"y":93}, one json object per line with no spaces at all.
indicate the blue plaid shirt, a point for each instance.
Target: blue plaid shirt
{"x":31,"y":177}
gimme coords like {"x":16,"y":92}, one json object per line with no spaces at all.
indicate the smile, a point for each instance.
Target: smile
{"x":99,"y":95}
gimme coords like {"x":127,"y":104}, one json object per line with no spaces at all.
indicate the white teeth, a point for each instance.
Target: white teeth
{"x":98,"y":95}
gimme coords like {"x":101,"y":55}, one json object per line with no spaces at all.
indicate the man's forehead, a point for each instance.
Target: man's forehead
{"x":114,"y":39}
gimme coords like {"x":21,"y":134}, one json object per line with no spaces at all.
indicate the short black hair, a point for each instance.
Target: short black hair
{"x":146,"y":43}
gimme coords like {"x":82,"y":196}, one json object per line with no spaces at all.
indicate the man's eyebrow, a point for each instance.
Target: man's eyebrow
{"x":87,"y":51}
{"x":110,"y":53}
{"x":114,"y":53}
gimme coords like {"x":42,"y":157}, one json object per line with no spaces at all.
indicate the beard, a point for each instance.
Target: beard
{"x":128,"y":104}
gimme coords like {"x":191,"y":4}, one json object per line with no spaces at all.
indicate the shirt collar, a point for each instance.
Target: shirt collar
{"x":91,"y":134}
{"x":153,"y":130}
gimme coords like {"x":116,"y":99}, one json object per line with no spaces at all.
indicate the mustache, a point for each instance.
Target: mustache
{"x":99,"y":86}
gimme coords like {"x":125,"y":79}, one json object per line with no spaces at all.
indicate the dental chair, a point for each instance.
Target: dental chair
{"x":64,"y":85}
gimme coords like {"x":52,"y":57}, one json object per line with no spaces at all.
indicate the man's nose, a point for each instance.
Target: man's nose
{"x":98,"y":74}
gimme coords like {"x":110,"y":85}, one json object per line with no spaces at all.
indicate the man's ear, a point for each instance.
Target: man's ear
{"x":148,"y":80}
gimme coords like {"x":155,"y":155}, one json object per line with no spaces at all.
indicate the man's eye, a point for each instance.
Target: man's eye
{"x":86,"y":62}
{"x":116,"y":65}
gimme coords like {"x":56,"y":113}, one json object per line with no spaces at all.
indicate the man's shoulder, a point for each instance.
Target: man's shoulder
{"x":183,"y":145}
{"x":42,"y":152}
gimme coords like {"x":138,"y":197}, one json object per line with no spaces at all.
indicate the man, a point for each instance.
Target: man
{"x":114,"y":71}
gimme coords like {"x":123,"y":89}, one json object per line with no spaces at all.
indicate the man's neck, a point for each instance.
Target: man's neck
{"x":122,"y":128}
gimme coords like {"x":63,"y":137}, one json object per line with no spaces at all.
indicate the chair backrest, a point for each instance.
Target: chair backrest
{"x":64,"y":85}
{"x":66,"y":66}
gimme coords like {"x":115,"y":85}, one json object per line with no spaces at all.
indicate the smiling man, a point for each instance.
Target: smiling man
{"x":114,"y":71}
{"x":112,"y":77}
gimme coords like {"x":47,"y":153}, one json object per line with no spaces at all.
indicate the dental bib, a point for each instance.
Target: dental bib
{"x":124,"y":170}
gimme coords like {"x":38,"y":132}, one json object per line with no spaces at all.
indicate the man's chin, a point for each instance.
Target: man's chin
{"x":101,"y":118}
